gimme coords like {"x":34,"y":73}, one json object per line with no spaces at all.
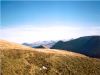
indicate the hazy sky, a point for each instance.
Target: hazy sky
{"x":29,"y":21}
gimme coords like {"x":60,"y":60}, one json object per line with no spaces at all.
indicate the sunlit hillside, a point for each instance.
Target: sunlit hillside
{"x":22,"y":60}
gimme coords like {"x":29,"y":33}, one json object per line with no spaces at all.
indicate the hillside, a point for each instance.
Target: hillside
{"x":88,"y":45}
{"x":21,"y":60}
{"x":41,"y":46}
{"x":5,"y":44}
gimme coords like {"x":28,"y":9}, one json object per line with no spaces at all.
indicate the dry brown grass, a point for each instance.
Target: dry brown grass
{"x":21,"y":60}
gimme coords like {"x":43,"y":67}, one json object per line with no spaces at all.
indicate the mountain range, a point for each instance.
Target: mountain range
{"x":41,"y":44}
{"x":87,"y":45}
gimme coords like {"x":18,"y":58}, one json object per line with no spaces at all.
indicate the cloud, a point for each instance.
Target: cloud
{"x":32,"y":34}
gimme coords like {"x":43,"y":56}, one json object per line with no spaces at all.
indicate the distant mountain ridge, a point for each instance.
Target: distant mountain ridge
{"x":41,"y":44}
{"x":88,"y":45}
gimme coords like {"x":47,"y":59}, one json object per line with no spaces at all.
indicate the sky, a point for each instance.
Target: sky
{"x":30,"y":21}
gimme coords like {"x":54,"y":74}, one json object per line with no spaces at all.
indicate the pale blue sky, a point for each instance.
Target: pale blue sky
{"x":40,"y":17}
{"x":41,"y":12}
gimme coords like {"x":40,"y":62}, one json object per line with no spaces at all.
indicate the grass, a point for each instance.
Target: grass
{"x":19,"y":60}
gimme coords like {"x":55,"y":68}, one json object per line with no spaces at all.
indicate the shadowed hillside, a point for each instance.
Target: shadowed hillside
{"x":21,"y":60}
{"x":41,"y":46}
{"x":89,"y":45}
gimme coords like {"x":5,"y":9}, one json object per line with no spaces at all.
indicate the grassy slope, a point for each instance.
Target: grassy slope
{"x":21,"y":60}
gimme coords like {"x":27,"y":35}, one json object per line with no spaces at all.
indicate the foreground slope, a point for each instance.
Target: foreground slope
{"x":88,"y":45}
{"x":21,"y":60}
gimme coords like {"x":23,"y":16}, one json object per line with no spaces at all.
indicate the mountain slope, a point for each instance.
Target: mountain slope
{"x":21,"y":60}
{"x":89,"y":45}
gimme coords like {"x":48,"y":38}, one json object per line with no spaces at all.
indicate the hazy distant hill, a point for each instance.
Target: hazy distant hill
{"x":40,"y":44}
{"x":21,"y":60}
{"x":88,"y":45}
